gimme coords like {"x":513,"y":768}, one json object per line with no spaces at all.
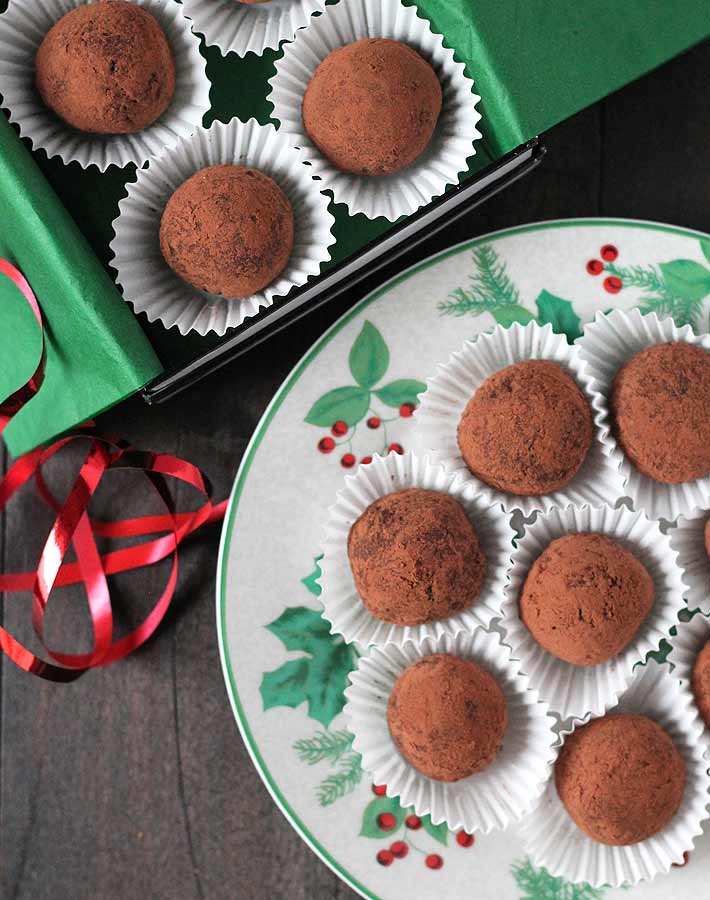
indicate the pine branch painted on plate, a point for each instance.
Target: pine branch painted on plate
{"x":490,"y":288}
{"x":330,"y":745}
{"x":341,"y":782}
{"x":538,"y":884}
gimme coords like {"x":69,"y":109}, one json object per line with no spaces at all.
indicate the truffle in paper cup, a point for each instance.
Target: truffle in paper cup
{"x":610,"y":341}
{"x":590,"y":690}
{"x":21,"y":33}
{"x":151,"y":286}
{"x":342,"y":605}
{"x":249,"y":27}
{"x":690,"y":638}
{"x":688,"y":540}
{"x":441,"y":406}
{"x":554,"y":841}
{"x":403,"y":192}
{"x":490,"y":799}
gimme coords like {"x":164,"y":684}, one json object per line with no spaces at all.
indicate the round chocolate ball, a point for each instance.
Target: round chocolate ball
{"x":701,"y":682}
{"x":585,"y":598}
{"x":415,"y":557}
{"x":660,"y":405}
{"x":621,"y":778}
{"x":371,"y":107}
{"x":447,"y":716}
{"x":107,"y":68}
{"x":227,"y":230}
{"x":527,"y":429}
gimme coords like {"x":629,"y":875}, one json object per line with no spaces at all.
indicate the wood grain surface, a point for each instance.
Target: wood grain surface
{"x":133,"y":783}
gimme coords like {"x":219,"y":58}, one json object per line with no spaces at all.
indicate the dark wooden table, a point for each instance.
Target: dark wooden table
{"x":133,"y":782}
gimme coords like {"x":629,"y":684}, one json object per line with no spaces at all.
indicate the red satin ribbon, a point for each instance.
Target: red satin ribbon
{"x":74,"y":526}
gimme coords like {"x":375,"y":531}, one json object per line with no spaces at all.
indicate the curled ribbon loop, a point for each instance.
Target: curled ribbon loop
{"x":74,"y":527}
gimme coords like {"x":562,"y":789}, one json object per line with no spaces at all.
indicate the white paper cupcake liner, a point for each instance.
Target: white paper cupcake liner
{"x":583,"y":690}
{"x":491,"y":799}
{"x":400,"y":193}
{"x":152,"y":287}
{"x":441,"y":406}
{"x":688,"y":540}
{"x":689,"y":640}
{"x":244,"y":28}
{"x":342,"y":605}
{"x":553,"y":840}
{"x":23,"y":28}
{"x":607,"y":343}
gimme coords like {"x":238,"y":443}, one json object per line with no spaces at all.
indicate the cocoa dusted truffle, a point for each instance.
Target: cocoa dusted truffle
{"x":585,"y":598}
{"x":621,"y":778}
{"x":447,"y":716}
{"x":701,"y":682}
{"x":527,"y":429}
{"x":415,"y":557}
{"x":660,"y":405}
{"x":227,"y":230}
{"x":371,"y":107}
{"x":106,"y":67}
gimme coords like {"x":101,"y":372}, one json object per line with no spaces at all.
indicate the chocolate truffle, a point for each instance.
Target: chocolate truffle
{"x":660,"y":405}
{"x":415,"y":557}
{"x":371,"y":107}
{"x":527,"y":429}
{"x":447,"y":716}
{"x":227,"y":230}
{"x":621,"y":778}
{"x":701,"y":682}
{"x":106,"y":67}
{"x":585,"y":598}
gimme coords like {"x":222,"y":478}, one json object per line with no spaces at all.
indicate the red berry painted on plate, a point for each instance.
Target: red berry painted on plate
{"x":413,"y":822}
{"x":434,"y":861}
{"x":326,"y":444}
{"x":464,"y":839}
{"x":385,"y":858}
{"x":374,"y":422}
{"x":379,"y":790}
{"x":395,"y":448}
{"x":365,"y":460}
{"x":399,"y":849}
{"x":612,"y":284}
{"x":406,"y":410}
{"x":386,"y":821}
{"x":609,"y":252}
{"x":347,"y":461}
{"x":595,"y":266}
{"x":339,"y":428}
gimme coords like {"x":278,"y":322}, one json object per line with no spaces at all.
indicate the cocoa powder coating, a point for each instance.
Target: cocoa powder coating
{"x":585,"y":598}
{"x":527,"y":429}
{"x":107,"y":68}
{"x":660,"y":405}
{"x":707,"y":537}
{"x":447,"y":716}
{"x":415,"y":557}
{"x":227,"y":230}
{"x":701,"y":682}
{"x":621,"y":778}
{"x":371,"y":107}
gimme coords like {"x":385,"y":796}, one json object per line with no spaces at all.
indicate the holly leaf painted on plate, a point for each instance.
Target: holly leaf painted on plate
{"x":506,"y":315}
{"x":404,"y":390}
{"x":374,"y":810}
{"x":705,"y":247}
{"x":347,"y":404}
{"x":369,"y":356}
{"x":439,"y":832}
{"x":300,"y":628}
{"x":311,"y":581}
{"x":285,"y":686}
{"x":560,"y":314}
{"x":686,"y":278}
{"x":327,"y":679}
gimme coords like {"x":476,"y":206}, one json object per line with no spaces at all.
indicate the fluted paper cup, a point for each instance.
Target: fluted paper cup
{"x":590,"y":690}
{"x":689,"y":640}
{"x":152,"y":287}
{"x":610,"y":341}
{"x":243,"y":28}
{"x":553,"y":840}
{"x":456,"y":381}
{"x":342,"y":605}
{"x":500,"y":794}
{"x":452,"y":143}
{"x":688,"y":540}
{"x":23,"y":28}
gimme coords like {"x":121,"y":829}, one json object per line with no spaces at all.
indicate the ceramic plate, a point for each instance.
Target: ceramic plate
{"x":351,"y":396}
